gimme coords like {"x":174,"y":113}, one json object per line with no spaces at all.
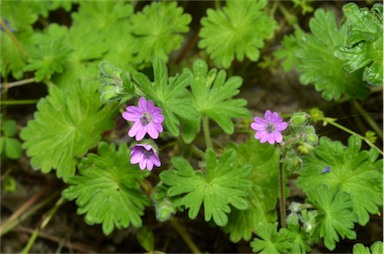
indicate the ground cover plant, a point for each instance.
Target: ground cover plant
{"x":161,"y":126}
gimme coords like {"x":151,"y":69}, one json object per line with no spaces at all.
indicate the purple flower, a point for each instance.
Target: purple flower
{"x":147,"y":119}
{"x":145,"y":155}
{"x":269,"y":127}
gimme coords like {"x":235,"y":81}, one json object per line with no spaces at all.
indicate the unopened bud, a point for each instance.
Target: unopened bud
{"x":299,"y":118}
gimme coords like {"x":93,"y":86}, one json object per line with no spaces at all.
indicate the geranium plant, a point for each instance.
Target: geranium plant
{"x":155,"y":116}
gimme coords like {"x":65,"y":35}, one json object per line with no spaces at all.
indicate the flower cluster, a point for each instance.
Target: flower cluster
{"x":269,"y":128}
{"x":147,"y":119}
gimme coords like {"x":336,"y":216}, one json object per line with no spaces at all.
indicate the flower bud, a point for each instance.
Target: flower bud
{"x":299,"y":118}
{"x":305,"y":148}
{"x":312,"y":139}
{"x":316,"y":115}
{"x":310,"y":129}
{"x":164,"y":210}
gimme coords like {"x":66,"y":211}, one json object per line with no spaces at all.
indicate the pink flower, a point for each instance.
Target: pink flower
{"x":147,"y":119}
{"x":145,"y":155}
{"x":269,"y":127}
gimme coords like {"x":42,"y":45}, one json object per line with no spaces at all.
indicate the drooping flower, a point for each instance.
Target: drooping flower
{"x":147,"y":119}
{"x":145,"y":155}
{"x":269,"y":127}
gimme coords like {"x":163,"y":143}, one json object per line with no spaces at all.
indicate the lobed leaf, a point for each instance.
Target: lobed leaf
{"x":68,"y":123}
{"x":157,"y":30}
{"x":318,"y":64}
{"x":262,"y":197}
{"x":364,"y":48}
{"x":225,"y":183}
{"x":335,"y":215}
{"x":170,"y":94}
{"x":235,"y":31}
{"x":107,"y":189}
{"x":270,"y":241}
{"x":212,"y":97}
{"x":352,"y":171}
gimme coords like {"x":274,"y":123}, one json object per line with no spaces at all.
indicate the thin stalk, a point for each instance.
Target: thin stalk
{"x":283,"y":213}
{"x":47,"y":218}
{"x":197,"y":151}
{"x":291,"y":19}
{"x":19,"y":83}
{"x":207,"y":135}
{"x":18,"y":102}
{"x":184,"y":234}
{"x":331,"y":121}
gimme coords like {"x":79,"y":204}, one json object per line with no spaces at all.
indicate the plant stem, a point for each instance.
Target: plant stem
{"x":283,"y":214}
{"x":18,"y":102}
{"x":207,"y":135}
{"x":19,"y":83}
{"x":184,"y":234}
{"x":197,"y":151}
{"x":332,"y":121}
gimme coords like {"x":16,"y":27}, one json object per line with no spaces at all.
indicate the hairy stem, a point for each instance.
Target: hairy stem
{"x":207,"y":135}
{"x":184,"y":234}
{"x":283,"y":214}
{"x":331,"y":121}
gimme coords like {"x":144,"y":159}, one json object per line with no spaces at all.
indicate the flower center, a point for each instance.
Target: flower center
{"x":147,"y":154}
{"x":145,"y":119}
{"x":270,"y":127}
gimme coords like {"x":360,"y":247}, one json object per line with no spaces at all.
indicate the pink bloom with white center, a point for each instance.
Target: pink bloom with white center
{"x":145,"y":155}
{"x":147,"y":119}
{"x":269,"y":127}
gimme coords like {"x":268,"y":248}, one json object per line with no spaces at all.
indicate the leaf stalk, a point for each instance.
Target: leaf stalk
{"x":283,"y":213}
{"x":207,"y":135}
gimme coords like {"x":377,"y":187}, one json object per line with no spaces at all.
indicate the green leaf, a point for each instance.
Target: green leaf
{"x":157,"y":30}
{"x":237,"y":30}
{"x":146,"y":239}
{"x":351,"y":171}
{"x":319,"y":66}
{"x":107,"y":189}
{"x":170,"y":94}
{"x":225,"y":183}
{"x":68,"y":123}
{"x":263,"y":194}
{"x":47,"y":58}
{"x":335,"y":215}
{"x":376,"y":247}
{"x":101,"y":16}
{"x":21,"y":15}
{"x":9,"y":128}
{"x":270,"y":241}
{"x":12,"y":148}
{"x":212,"y":97}
{"x":364,"y":47}
{"x":288,"y":52}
